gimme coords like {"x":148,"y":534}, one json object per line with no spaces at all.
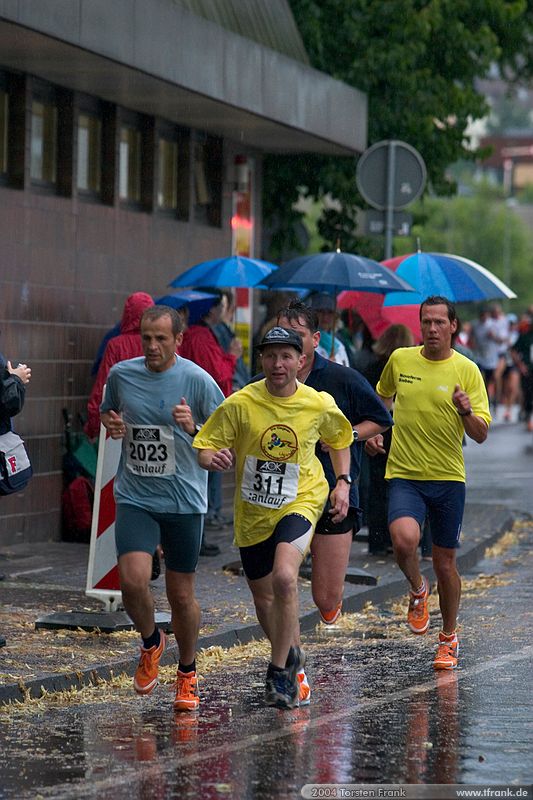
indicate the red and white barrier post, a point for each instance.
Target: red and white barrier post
{"x":102,"y":572}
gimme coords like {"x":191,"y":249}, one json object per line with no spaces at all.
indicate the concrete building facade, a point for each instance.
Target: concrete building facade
{"x":120,"y":127}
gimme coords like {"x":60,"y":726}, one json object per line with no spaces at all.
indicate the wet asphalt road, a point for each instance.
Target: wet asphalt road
{"x":500,"y":471}
{"x":379,"y":713}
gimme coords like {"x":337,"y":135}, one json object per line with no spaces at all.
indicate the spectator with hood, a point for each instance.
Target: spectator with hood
{"x":126,"y":345}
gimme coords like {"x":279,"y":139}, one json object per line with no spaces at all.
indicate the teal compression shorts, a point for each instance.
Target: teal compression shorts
{"x":180,"y":535}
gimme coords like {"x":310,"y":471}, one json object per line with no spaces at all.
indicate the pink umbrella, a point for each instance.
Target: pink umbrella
{"x":375,"y":315}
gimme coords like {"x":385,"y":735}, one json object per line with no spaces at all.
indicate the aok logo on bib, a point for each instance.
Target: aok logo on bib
{"x":145,"y":434}
{"x":269,"y":483}
{"x":279,"y":443}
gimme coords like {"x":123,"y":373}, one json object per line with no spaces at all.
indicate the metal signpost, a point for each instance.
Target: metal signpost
{"x":390,"y":175}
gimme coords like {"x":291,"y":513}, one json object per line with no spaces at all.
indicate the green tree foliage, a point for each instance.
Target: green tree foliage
{"x":481,"y":227}
{"x":417,"y":60}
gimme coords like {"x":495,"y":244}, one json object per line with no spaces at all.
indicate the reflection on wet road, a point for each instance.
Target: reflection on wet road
{"x":379,"y":714}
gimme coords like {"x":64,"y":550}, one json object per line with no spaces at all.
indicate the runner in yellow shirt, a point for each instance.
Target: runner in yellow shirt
{"x":270,"y":429}
{"x":438,"y":395}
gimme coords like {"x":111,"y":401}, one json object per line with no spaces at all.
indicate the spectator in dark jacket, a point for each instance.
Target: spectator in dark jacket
{"x":13,"y":382}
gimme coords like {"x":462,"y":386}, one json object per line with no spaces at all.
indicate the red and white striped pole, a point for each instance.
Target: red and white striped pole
{"x":102,"y":572}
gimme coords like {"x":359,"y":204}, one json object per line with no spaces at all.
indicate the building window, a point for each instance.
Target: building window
{"x":4,"y":127}
{"x":43,"y":166}
{"x":130,"y":165}
{"x":167,"y":184}
{"x":89,"y":153}
{"x":207,"y":165}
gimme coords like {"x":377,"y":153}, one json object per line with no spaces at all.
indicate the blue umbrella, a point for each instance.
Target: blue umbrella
{"x":451,"y":276}
{"x":198,"y":303}
{"x":234,"y":271}
{"x":332,"y":272}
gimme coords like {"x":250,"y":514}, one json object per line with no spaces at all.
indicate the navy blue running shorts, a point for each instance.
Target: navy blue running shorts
{"x":258,"y":559}
{"x":442,"y":501}
{"x":180,"y":535}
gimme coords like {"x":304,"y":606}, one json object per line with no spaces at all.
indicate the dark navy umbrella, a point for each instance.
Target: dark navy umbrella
{"x":332,"y":272}
{"x":198,"y":303}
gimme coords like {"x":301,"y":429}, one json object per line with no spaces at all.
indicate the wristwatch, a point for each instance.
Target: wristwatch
{"x":346,"y":478}
{"x":355,"y":434}
{"x":196,"y":429}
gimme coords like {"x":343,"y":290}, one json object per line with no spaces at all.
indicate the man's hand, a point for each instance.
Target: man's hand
{"x":340,"y":501}
{"x":374,"y":446}
{"x":221,"y":460}
{"x":461,"y":400}
{"x":114,"y":424}
{"x":22,"y":371}
{"x":235,"y":347}
{"x":182,"y":415}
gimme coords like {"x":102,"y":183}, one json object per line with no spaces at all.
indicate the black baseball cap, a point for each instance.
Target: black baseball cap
{"x":282,"y":336}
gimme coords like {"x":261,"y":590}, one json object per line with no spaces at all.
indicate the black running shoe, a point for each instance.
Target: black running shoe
{"x":281,"y":688}
{"x":295,"y":660}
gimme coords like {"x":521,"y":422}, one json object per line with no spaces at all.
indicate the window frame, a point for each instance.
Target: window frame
{"x":91,"y":107}
{"x":46,"y":95}
{"x":139,"y":124}
{"x":4,"y":89}
{"x":209,"y":214}
{"x":167,"y":131}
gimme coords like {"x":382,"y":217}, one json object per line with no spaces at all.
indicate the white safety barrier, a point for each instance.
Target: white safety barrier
{"x":102,"y":571}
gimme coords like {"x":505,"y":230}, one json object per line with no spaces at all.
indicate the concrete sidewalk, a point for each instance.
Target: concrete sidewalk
{"x":43,"y":578}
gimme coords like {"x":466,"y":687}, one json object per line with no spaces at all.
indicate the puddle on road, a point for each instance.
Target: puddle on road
{"x":378,"y":714}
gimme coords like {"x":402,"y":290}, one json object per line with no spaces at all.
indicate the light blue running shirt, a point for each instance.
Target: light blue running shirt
{"x":158,"y":468}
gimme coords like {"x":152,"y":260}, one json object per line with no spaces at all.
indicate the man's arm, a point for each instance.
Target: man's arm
{"x":340,"y":495}
{"x":114,"y":424}
{"x":368,"y":429}
{"x":374,"y":445}
{"x":475,"y":427}
{"x":22,"y":371}
{"x":13,"y":388}
{"x":518,"y":361}
{"x":215,"y":460}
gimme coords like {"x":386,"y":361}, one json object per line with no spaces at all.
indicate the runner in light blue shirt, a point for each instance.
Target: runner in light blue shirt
{"x":158,"y":469}
{"x":156,"y":404}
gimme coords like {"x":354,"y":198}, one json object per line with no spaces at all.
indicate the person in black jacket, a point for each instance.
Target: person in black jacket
{"x":12,"y":390}
{"x":331,"y":544}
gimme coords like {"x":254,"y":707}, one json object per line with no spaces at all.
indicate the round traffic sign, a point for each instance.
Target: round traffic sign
{"x":408,"y":174}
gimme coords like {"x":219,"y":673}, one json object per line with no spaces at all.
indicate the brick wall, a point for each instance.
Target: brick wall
{"x":66,"y":267}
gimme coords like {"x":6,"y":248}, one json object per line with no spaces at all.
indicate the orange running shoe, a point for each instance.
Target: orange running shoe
{"x":304,"y":690}
{"x":418,"y":614}
{"x":145,"y":678}
{"x":187,"y":698}
{"x":331,"y":617}
{"x":447,"y":651}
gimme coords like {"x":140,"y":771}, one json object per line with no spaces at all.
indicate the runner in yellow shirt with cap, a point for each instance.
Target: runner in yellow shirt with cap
{"x":269,"y":429}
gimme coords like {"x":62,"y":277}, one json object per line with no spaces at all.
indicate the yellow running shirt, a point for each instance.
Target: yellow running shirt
{"x":428,"y":432}
{"x":277,"y":471}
